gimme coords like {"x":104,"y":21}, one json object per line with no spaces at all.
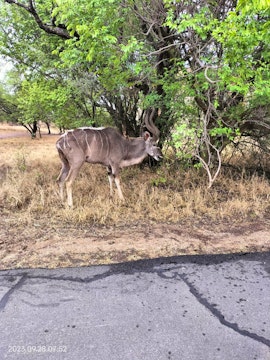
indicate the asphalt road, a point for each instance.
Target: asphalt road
{"x":184,"y":308}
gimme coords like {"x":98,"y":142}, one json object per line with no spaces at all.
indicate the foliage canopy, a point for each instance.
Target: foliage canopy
{"x":203,"y":64}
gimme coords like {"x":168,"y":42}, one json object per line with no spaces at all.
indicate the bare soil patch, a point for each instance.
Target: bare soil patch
{"x":47,"y":244}
{"x":46,"y":240}
{"x":8,"y":131}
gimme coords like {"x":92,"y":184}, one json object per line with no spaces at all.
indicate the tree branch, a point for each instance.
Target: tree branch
{"x":53,"y":30}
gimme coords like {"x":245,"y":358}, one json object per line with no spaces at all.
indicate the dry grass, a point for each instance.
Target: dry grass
{"x":168,"y":211}
{"x":29,"y":168}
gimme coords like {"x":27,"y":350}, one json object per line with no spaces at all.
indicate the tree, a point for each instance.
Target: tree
{"x":203,"y":64}
{"x":253,"y":5}
{"x":8,"y":106}
{"x":99,"y":49}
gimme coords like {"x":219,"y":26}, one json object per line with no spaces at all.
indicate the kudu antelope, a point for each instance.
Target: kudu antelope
{"x":104,"y":146}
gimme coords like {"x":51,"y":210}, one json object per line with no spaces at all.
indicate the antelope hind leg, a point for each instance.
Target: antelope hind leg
{"x":69,"y":181}
{"x":69,"y":194}
{"x":60,"y":180}
{"x":110,"y":177}
{"x":117,"y":183}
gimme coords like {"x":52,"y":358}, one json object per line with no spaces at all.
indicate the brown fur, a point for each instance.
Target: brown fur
{"x":101,"y":146}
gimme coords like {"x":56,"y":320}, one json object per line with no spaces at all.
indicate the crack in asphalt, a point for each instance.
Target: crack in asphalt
{"x":218,"y":314}
{"x":18,"y":285}
{"x":116,"y":270}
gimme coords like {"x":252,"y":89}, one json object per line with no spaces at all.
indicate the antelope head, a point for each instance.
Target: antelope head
{"x":151,"y":141}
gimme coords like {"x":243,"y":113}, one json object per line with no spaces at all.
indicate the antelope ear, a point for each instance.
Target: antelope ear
{"x":146,"y":135}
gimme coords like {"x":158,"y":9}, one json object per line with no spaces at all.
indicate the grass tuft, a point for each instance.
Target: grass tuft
{"x":29,"y":168}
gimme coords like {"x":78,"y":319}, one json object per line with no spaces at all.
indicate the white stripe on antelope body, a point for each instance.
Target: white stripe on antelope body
{"x":104,"y":146}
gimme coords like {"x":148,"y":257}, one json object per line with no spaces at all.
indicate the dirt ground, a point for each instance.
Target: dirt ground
{"x":47,"y":243}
